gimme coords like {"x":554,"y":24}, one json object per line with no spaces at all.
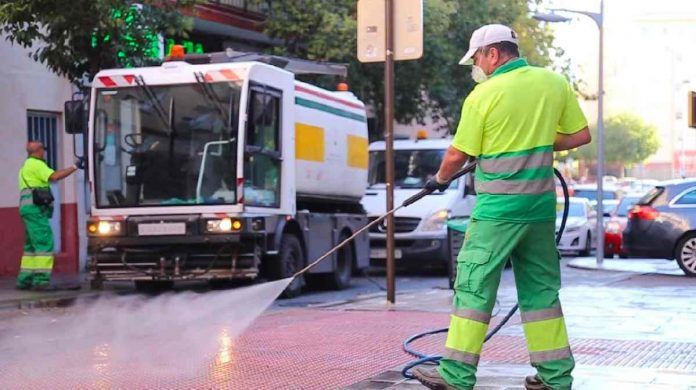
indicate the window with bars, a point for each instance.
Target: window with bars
{"x":43,"y":126}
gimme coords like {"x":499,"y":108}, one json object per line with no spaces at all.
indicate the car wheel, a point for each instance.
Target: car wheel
{"x":588,"y":246}
{"x":686,"y":255}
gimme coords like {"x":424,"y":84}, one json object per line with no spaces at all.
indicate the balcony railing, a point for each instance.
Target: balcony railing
{"x":257,"y":6}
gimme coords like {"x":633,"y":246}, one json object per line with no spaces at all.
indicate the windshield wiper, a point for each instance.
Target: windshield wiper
{"x":155,"y":102}
{"x":212,"y":98}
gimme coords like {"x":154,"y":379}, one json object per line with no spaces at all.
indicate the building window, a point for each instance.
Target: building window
{"x":43,"y":126}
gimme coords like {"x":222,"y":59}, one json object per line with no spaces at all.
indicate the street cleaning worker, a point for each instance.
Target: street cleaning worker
{"x":36,"y":210}
{"x":511,"y":122}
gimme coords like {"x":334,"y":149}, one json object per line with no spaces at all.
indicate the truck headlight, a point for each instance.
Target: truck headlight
{"x":105,"y":228}
{"x":436,"y":220}
{"x":223,"y":225}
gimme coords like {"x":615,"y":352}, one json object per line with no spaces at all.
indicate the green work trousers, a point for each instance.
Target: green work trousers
{"x":37,"y":260}
{"x":536,"y":263}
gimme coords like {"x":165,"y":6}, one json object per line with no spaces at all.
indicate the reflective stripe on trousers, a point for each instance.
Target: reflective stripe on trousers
{"x":467,"y":331}
{"x":546,"y":334}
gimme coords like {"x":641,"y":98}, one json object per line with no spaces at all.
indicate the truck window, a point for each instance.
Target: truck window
{"x":262,"y":151}
{"x":165,"y":145}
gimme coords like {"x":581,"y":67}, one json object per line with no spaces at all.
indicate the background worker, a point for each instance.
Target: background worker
{"x":511,"y":122}
{"x":37,"y":259}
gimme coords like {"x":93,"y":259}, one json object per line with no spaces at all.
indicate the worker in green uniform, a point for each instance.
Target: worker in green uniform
{"x":512,"y":122}
{"x":37,"y":259}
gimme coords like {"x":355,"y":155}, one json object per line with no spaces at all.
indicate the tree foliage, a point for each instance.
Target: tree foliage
{"x":433,"y":86}
{"x":628,"y":140}
{"x":75,"y":38}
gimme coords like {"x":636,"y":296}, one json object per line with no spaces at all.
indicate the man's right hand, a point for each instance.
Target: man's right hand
{"x":434,"y":185}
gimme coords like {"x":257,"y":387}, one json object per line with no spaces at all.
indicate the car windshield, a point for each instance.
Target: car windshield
{"x":625,"y":205}
{"x":166,"y":145}
{"x":575,"y":210}
{"x":592,"y":194}
{"x":412,"y":168}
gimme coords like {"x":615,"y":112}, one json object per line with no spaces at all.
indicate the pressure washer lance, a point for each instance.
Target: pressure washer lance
{"x":413,"y":199}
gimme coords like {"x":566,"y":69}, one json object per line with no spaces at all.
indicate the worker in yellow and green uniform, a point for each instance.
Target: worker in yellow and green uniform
{"x":512,"y":122}
{"x":37,"y":259}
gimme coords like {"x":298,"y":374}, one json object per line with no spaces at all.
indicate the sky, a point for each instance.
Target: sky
{"x":649,"y":54}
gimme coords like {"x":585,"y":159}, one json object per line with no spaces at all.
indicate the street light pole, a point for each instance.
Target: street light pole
{"x":600,"y":141}
{"x":598,"y":18}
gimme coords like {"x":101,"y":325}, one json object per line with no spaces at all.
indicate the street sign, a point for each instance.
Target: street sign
{"x":408,"y":30}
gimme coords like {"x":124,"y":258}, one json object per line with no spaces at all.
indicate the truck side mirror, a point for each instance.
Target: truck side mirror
{"x":75,"y":117}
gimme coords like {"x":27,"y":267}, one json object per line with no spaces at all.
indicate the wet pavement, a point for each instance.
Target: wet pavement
{"x":628,"y":330}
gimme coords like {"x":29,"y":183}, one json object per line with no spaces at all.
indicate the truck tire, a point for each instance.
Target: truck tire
{"x":340,"y":277}
{"x":290,"y":259}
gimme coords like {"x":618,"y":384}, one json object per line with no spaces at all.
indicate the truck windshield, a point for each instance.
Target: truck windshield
{"x":412,"y":168}
{"x":166,"y":145}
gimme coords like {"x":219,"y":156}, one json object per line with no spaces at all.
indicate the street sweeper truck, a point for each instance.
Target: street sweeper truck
{"x":222,"y":166}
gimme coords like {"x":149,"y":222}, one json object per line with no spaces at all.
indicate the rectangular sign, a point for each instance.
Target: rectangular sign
{"x":408,"y":30}
{"x":382,"y":253}
{"x":162,"y":229}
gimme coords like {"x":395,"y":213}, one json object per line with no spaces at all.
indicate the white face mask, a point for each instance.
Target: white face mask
{"x":478,"y":74}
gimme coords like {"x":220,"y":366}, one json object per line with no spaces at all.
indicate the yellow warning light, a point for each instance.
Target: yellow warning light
{"x":92,"y":228}
{"x":422,"y":134}
{"x":237,"y":224}
{"x":342,"y":87}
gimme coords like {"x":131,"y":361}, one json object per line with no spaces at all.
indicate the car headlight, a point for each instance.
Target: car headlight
{"x":105,"y":228}
{"x":436,"y":220}
{"x":572,"y":229}
{"x":223,"y":225}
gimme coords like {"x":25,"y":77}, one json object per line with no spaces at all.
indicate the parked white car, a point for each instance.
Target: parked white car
{"x":420,"y":229}
{"x":579,"y":234}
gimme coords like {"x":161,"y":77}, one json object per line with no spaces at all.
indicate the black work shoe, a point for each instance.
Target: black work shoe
{"x":533,"y":382}
{"x":431,"y":379}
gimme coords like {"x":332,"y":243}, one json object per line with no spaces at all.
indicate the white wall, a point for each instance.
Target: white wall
{"x":28,"y":85}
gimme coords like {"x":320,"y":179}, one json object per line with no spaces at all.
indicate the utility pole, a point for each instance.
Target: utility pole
{"x":389,"y":140}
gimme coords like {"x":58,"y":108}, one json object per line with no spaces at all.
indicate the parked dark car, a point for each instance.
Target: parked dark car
{"x":662,"y":224}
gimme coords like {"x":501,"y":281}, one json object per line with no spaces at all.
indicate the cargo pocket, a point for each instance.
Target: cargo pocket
{"x":471,"y":269}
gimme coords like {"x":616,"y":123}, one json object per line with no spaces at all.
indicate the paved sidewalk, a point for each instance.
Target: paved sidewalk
{"x":628,"y":330}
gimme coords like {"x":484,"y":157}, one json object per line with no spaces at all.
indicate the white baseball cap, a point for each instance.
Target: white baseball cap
{"x":487,"y":35}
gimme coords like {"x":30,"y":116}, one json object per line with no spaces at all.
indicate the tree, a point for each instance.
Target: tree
{"x":75,"y":38}
{"x":628,"y":140}
{"x":433,"y":86}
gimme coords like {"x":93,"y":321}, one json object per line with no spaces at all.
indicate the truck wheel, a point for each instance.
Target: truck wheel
{"x":289,"y":261}
{"x":96,"y":284}
{"x":339,"y":278}
{"x":686,"y":255}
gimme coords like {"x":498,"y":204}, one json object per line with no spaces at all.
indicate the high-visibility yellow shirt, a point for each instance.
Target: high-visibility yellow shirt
{"x":509,"y":123}
{"x":35,"y":173}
